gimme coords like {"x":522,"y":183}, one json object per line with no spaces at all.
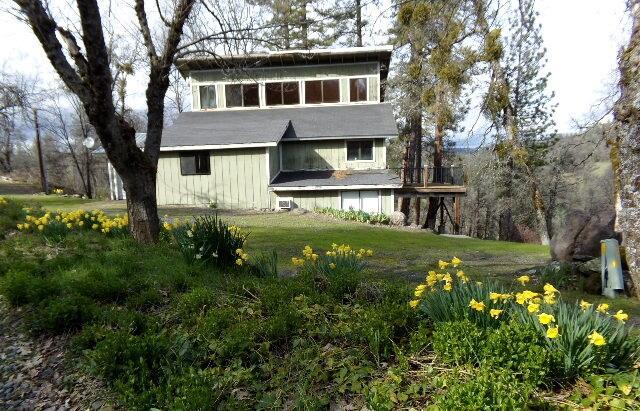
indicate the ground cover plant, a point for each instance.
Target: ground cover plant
{"x":170,"y":332}
{"x":355,"y":215}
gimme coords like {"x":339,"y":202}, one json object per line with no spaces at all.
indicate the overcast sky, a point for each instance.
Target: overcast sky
{"x":582,"y":37}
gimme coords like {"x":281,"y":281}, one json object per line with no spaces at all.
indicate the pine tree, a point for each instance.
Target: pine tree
{"x":293,"y":24}
{"x":521,"y":108}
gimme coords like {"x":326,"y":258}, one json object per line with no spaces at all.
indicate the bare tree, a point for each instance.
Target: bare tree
{"x":14,"y":98}
{"x":627,"y":146}
{"x":91,"y":79}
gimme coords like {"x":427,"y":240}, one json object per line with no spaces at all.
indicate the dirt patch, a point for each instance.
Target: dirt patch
{"x":35,"y":373}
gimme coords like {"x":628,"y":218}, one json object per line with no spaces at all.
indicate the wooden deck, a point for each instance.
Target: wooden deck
{"x":431,"y":190}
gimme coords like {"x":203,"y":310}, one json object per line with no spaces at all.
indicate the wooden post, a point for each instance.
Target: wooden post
{"x":425,"y":176}
{"x":416,"y":210}
{"x":457,"y":214}
{"x":43,"y":174}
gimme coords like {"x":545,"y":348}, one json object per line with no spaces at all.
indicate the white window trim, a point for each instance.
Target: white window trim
{"x":366,"y":79}
{"x":301,"y":80}
{"x":373,"y":150}
{"x":215,"y":90}
{"x":263,"y":96}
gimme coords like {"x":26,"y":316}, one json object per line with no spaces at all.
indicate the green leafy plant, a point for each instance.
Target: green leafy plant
{"x":209,"y":240}
{"x":355,"y":215}
{"x":265,"y":265}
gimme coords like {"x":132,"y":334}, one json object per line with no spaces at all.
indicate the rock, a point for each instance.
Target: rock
{"x":590,"y":276}
{"x":397,"y":218}
{"x":580,"y":237}
{"x":299,"y":211}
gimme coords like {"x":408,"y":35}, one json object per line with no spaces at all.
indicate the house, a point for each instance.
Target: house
{"x":297,"y":128}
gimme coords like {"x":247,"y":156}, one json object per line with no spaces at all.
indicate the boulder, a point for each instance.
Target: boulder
{"x":580,"y":237}
{"x":590,"y":277}
{"x":397,"y":218}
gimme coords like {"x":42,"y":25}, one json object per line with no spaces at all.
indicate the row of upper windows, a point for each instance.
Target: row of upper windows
{"x":284,"y":93}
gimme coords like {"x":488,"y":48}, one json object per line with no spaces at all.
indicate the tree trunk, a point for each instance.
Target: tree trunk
{"x":438,"y":159}
{"x":142,"y":208}
{"x":359,"y":23}
{"x":627,"y":118}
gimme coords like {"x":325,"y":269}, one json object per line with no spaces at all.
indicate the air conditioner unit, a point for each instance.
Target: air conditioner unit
{"x":285,"y":203}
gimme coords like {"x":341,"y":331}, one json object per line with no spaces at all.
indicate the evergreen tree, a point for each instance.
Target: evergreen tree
{"x":294,"y":24}
{"x":521,"y":108}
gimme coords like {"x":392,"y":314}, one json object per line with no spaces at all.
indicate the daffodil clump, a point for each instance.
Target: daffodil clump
{"x":57,"y":191}
{"x":59,"y":222}
{"x":583,"y":336}
{"x":339,"y":258}
{"x":243,"y":257}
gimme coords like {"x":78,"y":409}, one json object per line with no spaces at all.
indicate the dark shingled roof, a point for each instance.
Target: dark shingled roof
{"x":336,"y":178}
{"x":271,"y":125}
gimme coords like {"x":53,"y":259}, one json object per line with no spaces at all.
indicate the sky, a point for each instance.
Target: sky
{"x":582,"y":38}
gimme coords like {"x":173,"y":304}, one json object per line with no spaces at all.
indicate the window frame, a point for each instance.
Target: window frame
{"x":360,"y":199}
{"x":322,"y":80}
{"x":197,"y":155}
{"x":373,"y":150}
{"x":215,"y":96}
{"x":282,"y":93}
{"x":242,"y":99}
{"x":366,"y":89}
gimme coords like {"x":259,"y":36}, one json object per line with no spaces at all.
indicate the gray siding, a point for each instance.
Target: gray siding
{"x":327,"y":155}
{"x":274,"y":161}
{"x":238,"y":179}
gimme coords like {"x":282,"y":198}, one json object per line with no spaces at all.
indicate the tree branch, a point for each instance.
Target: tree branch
{"x":144,"y":29}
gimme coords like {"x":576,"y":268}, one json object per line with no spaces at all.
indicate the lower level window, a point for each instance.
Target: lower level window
{"x":360,"y":150}
{"x":368,"y":201}
{"x":194,"y":162}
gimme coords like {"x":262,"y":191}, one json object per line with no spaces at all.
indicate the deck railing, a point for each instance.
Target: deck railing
{"x":426,"y":176}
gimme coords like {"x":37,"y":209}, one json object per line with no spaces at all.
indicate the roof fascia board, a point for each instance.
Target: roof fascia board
{"x":345,"y":187}
{"x":217,"y":146}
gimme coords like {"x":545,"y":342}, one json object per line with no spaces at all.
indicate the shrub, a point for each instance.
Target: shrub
{"x":518,"y":348}
{"x":209,"y":240}
{"x":355,"y":215}
{"x":63,"y":314}
{"x":21,"y":288}
{"x":11,"y":213}
{"x":459,"y":342}
{"x":488,"y":389}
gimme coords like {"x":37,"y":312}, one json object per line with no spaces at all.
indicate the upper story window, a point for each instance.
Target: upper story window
{"x":194,"y":163}
{"x":360,"y":150}
{"x":282,"y":93}
{"x":208,"y":97}
{"x":242,"y":95}
{"x":322,"y":91}
{"x":358,"y":89}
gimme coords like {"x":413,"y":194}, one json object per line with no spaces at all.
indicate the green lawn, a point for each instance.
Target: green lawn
{"x":407,"y":254}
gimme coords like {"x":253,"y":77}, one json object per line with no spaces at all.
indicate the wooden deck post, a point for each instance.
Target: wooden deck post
{"x":457,"y":214}
{"x":425,"y":176}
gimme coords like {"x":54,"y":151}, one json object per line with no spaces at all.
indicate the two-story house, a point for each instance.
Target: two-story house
{"x":299,"y":128}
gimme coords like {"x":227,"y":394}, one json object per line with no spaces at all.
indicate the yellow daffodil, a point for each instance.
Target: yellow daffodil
{"x":550,"y":299}
{"x":455,"y":261}
{"x":602,"y":308}
{"x":443,"y":264}
{"x":585,"y":305}
{"x":549,"y":289}
{"x":447,"y":286}
{"x":369,"y":252}
{"x":239,"y":261}
{"x":597,"y":339}
{"x":447,"y":278}
{"x":545,"y":318}
{"x":494,"y":297}
{"x":495,"y":313}
{"x":332,"y":266}
{"x":533,"y":308}
{"x":523,"y":279}
{"x":476,"y":305}
{"x":552,"y":332}
{"x":69,"y":225}
{"x":414,"y":303}
{"x":418,"y":292}
{"x":621,"y":316}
